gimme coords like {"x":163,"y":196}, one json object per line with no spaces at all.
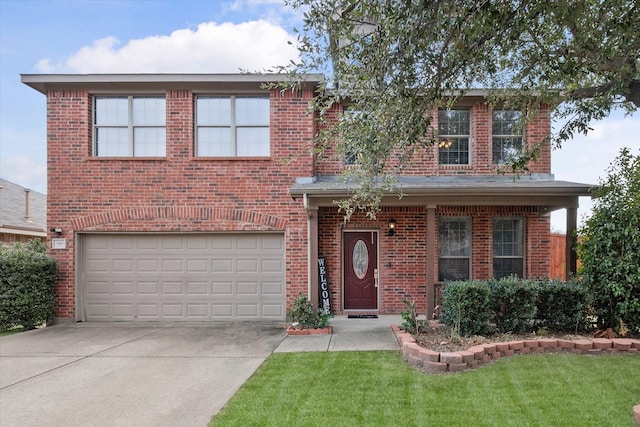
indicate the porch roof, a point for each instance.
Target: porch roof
{"x":495,"y":190}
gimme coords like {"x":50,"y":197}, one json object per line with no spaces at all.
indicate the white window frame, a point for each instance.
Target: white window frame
{"x":514,"y":136}
{"x":445,"y":141}
{"x":233,"y":126}
{"x":467,"y":221}
{"x":130,"y":126}
{"x":521,"y":243}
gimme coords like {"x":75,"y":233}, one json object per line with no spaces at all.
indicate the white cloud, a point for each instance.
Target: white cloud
{"x":211,"y":48}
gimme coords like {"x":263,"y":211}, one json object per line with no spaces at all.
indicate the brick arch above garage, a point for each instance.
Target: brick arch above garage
{"x":161,"y":214}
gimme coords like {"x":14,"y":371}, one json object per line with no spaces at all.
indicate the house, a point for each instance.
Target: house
{"x":23,"y":214}
{"x":172,"y":202}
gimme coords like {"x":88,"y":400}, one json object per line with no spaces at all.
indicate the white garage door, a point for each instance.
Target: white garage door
{"x":188,"y":277}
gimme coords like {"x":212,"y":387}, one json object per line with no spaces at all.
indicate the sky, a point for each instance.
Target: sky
{"x":188,"y":36}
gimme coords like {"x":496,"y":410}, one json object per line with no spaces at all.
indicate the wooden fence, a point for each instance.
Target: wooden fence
{"x":558,"y":256}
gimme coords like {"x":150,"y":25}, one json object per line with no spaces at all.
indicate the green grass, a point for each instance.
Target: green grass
{"x":379,"y":389}
{"x":11,"y":331}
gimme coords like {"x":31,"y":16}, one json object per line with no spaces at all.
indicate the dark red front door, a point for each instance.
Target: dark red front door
{"x":360,"y":270}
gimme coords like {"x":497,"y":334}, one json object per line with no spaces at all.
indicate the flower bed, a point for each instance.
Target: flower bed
{"x":437,"y":362}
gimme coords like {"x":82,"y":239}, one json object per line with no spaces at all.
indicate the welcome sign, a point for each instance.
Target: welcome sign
{"x":325,"y":300}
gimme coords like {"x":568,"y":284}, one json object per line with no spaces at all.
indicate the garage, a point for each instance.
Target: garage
{"x":181,"y":277}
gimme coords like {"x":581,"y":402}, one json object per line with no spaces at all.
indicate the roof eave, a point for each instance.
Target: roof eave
{"x":44,"y":82}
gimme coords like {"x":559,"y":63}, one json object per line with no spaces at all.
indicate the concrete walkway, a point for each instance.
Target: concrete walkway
{"x":348,"y":335}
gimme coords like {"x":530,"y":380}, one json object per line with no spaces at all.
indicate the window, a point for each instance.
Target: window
{"x":352,"y":155}
{"x":454,"y":247}
{"x":508,"y":247}
{"x":507,"y":135}
{"x":232,"y":126}
{"x":129,"y":126}
{"x":454,"y":130}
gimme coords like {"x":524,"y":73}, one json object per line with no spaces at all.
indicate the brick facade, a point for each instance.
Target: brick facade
{"x":183,"y":193}
{"x":177,"y":193}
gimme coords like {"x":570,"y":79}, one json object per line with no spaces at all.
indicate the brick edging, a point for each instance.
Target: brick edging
{"x":431,"y":361}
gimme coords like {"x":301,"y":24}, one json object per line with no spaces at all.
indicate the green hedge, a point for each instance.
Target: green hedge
{"x":466,"y":307}
{"x":27,"y":285}
{"x":563,"y":306}
{"x":513,"y":305}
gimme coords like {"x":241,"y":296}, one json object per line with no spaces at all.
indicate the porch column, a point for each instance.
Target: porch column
{"x":431,"y":260}
{"x":312,"y":232}
{"x":571,"y":258}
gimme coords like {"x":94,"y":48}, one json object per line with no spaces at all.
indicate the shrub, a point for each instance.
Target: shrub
{"x":610,"y":246}
{"x":27,"y":285}
{"x":466,"y":307}
{"x":513,"y":303}
{"x":562,"y":306}
{"x":308,"y":316}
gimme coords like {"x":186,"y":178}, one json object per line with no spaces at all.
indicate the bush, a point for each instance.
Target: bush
{"x":513,"y":303}
{"x":308,"y":316}
{"x":610,"y":246}
{"x":466,"y":307}
{"x":27,"y":282}
{"x":563,"y":306}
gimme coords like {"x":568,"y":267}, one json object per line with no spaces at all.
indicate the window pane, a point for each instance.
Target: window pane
{"x":252,"y":111}
{"x":454,"y":237}
{"x":149,"y":142}
{"x":453,"y":269}
{"x":252,"y":141}
{"x":507,"y":122}
{"x":508,"y":237}
{"x":506,"y":149}
{"x":453,"y":151}
{"x":454,"y":122}
{"x":213,"y":111}
{"x":149,"y":111}
{"x":112,"y":111}
{"x":214,"y":142}
{"x":505,"y":267}
{"x":112,"y":142}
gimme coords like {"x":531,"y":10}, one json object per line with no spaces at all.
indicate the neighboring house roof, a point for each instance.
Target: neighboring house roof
{"x":22,"y":211}
{"x":526,"y":190}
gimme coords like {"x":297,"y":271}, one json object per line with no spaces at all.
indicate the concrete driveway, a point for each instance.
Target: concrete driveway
{"x":128,"y":375}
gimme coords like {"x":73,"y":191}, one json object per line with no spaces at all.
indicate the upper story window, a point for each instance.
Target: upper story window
{"x":232,"y":126}
{"x":129,"y":126}
{"x":508,"y":247}
{"x":454,"y":247}
{"x":454,"y":134}
{"x":352,"y":155}
{"x":507,"y":135}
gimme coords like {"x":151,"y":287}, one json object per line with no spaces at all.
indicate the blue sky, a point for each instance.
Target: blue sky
{"x":211,"y":36}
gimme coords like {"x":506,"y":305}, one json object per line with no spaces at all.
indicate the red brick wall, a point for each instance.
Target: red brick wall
{"x":179,"y":193}
{"x":425,"y":162}
{"x":402,"y":258}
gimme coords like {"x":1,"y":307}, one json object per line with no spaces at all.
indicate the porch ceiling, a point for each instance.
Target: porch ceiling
{"x":529,"y":190}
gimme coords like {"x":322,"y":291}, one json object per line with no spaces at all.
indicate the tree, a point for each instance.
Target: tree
{"x":398,"y":61}
{"x":610,"y":245}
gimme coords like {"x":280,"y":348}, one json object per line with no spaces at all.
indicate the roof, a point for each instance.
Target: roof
{"x":13,"y":212}
{"x":526,"y":190}
{"x":141,"y":82}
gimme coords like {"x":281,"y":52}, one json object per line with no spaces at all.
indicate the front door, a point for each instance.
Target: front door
{"x":360,"y":270}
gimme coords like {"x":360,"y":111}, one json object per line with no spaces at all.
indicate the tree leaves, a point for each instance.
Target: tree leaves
{"x":399,"y":61}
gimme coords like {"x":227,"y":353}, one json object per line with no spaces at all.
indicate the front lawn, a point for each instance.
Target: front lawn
{"x":379,"y":389}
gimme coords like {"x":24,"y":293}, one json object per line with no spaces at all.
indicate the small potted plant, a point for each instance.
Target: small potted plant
{"x":307,"y":319}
